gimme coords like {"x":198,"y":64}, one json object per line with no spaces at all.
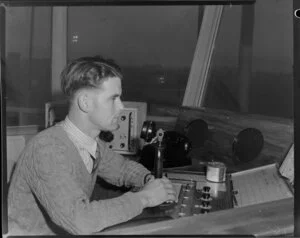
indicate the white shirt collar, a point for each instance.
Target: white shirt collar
{"x":87,"y":142}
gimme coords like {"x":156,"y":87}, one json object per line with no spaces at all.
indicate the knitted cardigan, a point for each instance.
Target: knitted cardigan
{"x":51,"y":188}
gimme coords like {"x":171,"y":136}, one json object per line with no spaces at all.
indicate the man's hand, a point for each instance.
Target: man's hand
{"x":157,"y":191}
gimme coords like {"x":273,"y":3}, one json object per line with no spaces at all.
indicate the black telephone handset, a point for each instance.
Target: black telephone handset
{"x":175,"y":148}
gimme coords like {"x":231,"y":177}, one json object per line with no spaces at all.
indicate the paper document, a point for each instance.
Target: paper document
{"x":259,"y":185}
{"x":287,"y":167}
{"x":177,"y":187}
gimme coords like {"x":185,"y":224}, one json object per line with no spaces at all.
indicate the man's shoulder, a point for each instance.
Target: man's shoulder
{"x":48,"y":149}
{"x":51,"y":143}
{"x":52,"y":135}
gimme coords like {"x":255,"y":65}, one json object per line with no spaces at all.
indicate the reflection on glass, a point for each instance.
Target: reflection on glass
{"x":256,"y":50}
{"x":28,"y":51}
{"x":154,"y":45}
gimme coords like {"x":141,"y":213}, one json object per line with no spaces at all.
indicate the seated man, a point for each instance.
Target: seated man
{"x":56,"y":173}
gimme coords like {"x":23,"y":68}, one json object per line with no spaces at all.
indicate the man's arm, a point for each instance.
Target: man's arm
{"x":118,"y":170}
{"x":53,"y":181}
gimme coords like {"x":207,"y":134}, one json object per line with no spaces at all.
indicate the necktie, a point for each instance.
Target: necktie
{"x":96,"y":159}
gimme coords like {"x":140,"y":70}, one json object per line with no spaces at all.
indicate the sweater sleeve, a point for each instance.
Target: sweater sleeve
{"x":118,"y":170}
{"x":54,"y":184}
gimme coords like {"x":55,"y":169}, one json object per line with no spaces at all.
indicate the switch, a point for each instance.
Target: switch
{"x":181,"y":214}
{"x":187,"y":187}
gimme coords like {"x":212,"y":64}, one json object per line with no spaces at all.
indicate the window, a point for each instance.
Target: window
{"x":252,"y":63}
{"x":28,"y":62}
{"x":154,"y":45}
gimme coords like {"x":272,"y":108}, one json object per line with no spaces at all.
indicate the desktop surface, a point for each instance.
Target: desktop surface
{"x":213,"y":214}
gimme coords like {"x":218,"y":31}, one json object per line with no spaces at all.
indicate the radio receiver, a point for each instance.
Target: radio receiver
{"x":126,"y":138}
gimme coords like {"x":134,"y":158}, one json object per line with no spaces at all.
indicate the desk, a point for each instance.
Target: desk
{"x":266,"y":219}
{"x":263,"y":219}
{"x":274,"y":218}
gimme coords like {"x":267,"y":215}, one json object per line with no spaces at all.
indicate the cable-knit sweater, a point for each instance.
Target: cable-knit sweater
{"x":51,"y":188}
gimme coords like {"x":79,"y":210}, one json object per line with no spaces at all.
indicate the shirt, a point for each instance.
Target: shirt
{"x":85,"y":144}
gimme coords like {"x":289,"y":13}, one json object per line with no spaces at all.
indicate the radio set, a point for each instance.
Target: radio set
{"x":125,"y":138}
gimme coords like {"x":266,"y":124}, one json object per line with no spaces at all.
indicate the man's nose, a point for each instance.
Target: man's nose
{"x":120,"y":105}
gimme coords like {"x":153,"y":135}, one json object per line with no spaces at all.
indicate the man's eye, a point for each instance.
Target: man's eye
{"x":114,"y":99}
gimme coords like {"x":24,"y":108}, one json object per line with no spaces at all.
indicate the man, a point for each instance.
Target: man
{"x":56,"y":173}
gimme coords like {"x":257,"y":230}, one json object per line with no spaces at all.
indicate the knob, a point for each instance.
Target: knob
{"x":123,"y":118}
{"x":204,"y":210}
{"x":122,"y":145}
{"x":205,"y":196}
{"x":205,"y":204}
{"x":206,"y":189}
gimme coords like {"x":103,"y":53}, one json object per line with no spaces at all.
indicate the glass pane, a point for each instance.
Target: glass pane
{"x":264,"y":62}
{"x":154,"y":45}
{"x":28,"y":62}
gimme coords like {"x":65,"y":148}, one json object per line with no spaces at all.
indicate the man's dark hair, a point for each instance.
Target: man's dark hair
{"x":87,"y":72}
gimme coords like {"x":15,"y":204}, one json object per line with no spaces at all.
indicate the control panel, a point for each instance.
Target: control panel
{"x":195,"y":197}
{"x":193,"y":200}
{"x":126,"y":137}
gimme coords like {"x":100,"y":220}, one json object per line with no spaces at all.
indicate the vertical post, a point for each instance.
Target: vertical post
{"x":30,"y":62}
{"x":200,"y":17}
{"x":3,"y":123}
{"x":296,"y":68}
{"x":245,"y":55}
{"x":197,"y":82}
{"x":59,"y":48}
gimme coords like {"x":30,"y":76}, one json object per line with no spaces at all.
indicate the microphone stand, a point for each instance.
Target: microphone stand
{"x":159,"y":154}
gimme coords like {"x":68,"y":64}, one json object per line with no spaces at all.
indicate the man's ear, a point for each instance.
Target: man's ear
{"x":83,"y":101}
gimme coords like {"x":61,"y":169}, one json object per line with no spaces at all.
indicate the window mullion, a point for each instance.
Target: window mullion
{"x":197,"y":82}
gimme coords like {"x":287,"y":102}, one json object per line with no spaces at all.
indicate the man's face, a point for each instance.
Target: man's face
{"x":107,"y":105}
